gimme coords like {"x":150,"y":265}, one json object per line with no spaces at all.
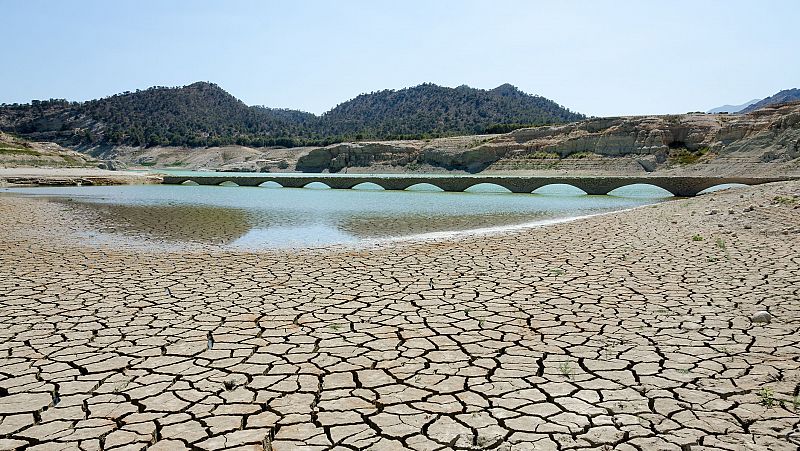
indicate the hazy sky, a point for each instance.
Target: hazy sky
{"x":596,"y":57}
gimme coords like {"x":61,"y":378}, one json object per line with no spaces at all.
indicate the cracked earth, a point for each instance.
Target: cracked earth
{"x":631,"y":331}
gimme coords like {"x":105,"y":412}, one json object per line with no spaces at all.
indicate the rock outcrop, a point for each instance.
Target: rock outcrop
{"x":648,"y":143}
{"x":16,"y":152}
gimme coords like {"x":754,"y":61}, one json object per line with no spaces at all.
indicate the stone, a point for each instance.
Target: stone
{"x":761,"y":316}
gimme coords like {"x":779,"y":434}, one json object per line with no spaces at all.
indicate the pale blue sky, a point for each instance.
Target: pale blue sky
{"x":596,"y":57}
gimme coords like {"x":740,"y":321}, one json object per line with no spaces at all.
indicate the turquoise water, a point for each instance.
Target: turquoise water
{"x":263,"y":217}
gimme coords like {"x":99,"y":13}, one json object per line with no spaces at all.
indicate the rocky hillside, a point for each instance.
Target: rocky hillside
{"x":766,"y":141}
{"x":16,"y":152}
{"x":204,"y":115}
{"x":785,"y":96}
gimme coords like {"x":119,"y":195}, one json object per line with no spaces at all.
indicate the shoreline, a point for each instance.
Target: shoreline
{"x":96,"y":233}
{"x":26,"y":177}
{"x":633,"y":330}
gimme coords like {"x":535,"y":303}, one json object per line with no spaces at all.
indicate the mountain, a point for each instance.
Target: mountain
{"x":199,"y":114}
{"x":787,"y":95}
{"x":203,"y":114}
{"x":731,"y":108}
{"x":429,"y":109}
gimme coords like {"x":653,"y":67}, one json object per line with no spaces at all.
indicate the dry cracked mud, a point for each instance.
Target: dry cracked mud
{"x":630,"y":331}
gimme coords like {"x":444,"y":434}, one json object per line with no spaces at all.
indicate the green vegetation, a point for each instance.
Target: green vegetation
{"x":18,"y":150}
{"x":565,"y":369}
{"x":506,"y":128}
{"x":203,"y":114}
{"x":720,"y":243}
{"x":767,"y":396}
{"x":785,"y":200}
{"x":684,"y":156}
{"x":697,"y":238}
{"x":581,"y":155}
{"x":543,"y":156}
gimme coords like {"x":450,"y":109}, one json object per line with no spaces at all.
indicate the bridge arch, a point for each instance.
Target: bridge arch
{"x":559,"y":189}
{"x":270,"y":184}
{"x":368,"y":186}
{"x":317,"y":185}
{"x":425,"y":187}
{"x":487,"y":188}
{"x":190,"y":183}
{"x":722,"y":186}
{"x":645,"y":190}
{"x":228,"y":183}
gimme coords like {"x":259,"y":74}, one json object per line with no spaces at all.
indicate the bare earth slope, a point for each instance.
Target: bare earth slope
{"x":614,"y":332}
{"x":17,"y":152}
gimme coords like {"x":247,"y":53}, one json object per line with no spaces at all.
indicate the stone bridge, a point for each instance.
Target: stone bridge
{"x":678,"y":186}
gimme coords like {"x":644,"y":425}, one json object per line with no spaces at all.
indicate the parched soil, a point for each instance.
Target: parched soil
{"x":631,"y":331}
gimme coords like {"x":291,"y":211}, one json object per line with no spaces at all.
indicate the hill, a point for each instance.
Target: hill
{"x":732,"y":108}
{"x":429,"y":109}
{"x":199,"y":114}
{"x":787,"y":95}
{"x":203,"y":114}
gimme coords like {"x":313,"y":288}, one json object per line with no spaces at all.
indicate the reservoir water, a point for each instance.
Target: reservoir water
{"x":263,"y":217}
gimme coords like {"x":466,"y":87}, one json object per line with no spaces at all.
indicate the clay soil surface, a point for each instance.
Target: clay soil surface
{"x":630,"y":331}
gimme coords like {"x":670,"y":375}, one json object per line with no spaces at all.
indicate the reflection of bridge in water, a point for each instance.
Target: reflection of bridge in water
{"x":678,"y":186}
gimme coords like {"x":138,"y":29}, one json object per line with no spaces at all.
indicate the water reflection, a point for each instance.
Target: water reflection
{"x":171,"y":223}
{"x":267,"y":218}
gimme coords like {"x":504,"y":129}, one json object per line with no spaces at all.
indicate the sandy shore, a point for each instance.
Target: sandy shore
{"x":629,"y":331}
{"x":72,"y":176}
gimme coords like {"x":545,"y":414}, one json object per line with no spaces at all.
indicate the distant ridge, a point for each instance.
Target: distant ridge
{"x":439,"y":110}
{"x":203,"y":114}
{"x":787,"y":95}
{"x":732,"y":108}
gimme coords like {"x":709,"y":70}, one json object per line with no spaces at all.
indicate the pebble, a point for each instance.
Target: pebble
{"x":761,"y":316}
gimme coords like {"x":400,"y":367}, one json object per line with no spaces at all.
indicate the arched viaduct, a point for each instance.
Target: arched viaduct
{"x":678,"y":186}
